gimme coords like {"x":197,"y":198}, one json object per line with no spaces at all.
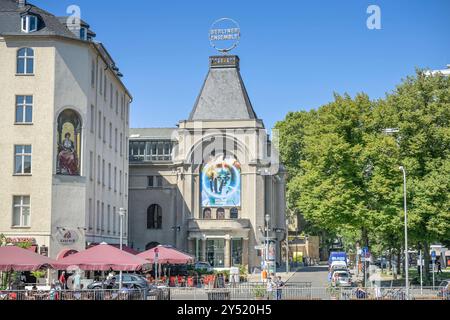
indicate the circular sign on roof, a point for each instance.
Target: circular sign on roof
{"x":224,"y":35}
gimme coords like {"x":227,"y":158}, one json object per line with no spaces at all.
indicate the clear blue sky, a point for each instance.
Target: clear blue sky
{"x":294,"y":54}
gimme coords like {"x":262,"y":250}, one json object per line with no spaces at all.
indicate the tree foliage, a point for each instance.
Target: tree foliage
{"x":343,"y":168}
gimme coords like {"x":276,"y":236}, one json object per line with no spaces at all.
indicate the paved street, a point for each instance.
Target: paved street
{"x":317,"y":275}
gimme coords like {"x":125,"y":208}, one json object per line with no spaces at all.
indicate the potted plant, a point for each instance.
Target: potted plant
{"x":260,"y":292}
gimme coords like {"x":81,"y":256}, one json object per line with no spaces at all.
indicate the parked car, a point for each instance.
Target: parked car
{"x":444,"y":289}
{"x":131,"y":280}
{"x":341,"y":278}
{"x":203,"y":265}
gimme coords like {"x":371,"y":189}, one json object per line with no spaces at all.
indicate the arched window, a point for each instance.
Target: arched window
{"x":154,"y":217}
{"x":68,"y":141}
{"x":207,"y":213}
{"x":220,"y":213}
{"x":151,"y":245}
{"x":25,"y":61}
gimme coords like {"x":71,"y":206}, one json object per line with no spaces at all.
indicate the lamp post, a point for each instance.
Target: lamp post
{"x":121,"y":215}
{"x":267,"y":218}
{"x":287,"y":245}
{"x":406,"y":233}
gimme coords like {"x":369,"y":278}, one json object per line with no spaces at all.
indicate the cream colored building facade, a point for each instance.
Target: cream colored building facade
{"x":66,"y":111}
{"x":171,"y":181}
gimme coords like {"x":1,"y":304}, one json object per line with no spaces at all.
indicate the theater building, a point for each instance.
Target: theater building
{"x":63,"y":133}
{"x":212,"y":185}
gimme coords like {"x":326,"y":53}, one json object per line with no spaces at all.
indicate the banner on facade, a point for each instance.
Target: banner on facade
{"x":220,"y":182}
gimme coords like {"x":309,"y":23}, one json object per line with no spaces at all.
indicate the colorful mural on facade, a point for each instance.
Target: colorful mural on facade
{"x":221,"y":182}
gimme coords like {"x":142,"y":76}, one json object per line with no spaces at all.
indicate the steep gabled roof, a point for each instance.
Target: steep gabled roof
{"x":223,"y":95}
{"x":10,"y":23}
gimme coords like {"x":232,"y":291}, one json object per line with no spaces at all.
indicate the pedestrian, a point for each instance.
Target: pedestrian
{"x":62,"y":280}
{"x":269,"y":288}
{"x":53,"y":292}
{"x":439,"y":268}
{"x":76,"y":281}
{"x":280,"y":285}
{"x":264,"y":275}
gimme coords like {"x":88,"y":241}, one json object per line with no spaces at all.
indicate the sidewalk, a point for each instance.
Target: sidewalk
{"x":285,"y":276}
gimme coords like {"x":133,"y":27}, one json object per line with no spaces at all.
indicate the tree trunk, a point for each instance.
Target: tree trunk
{"x":390,"y":260}
{"x":399,"y":254}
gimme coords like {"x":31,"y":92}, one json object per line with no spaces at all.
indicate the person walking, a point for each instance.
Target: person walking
{"x":439,"y":267}
{"x":62,"y":280}
{"x":269,"y":288}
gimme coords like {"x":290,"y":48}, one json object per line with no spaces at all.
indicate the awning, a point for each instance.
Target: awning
{"x":18,"y":259}
{"x":103,"y":257}
{"x":167,"y":254}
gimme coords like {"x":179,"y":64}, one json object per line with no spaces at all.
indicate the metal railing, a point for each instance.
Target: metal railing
{"x":306,"y":293}
{"x":245,"y":292}
{"x":97,"y":294}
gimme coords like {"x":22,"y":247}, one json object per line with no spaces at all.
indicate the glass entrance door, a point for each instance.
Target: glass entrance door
{"x":215,"y":252}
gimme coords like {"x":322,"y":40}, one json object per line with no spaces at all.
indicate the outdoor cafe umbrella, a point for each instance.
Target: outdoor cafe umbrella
{"x":166,"y":254}
{"x":104,"y":257}
{"x":18,"y":259}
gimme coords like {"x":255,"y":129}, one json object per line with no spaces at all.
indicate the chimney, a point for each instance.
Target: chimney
{"x":21,"y":3}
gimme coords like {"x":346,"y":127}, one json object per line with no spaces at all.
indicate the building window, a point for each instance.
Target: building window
{"x":92,"y":118}
{"x":93,"y":74}
{"x":115,"y":179}
{"x":22,"y":159}
{"x":108,"y":219}
{"x":103,"y":172}
{"x":153,"y":150}
{"x":103,"y":217}
{"x":68,"y":143}
{"x":120,"y":182}
{"x":207,"y":213}
{"x":220,"y":213}
{"x":114,"y":220}
{"x":104,"y":86}
{"x":24,"y":109}
{"x":100,"y":87}
{"x":25,"y":61}
{"x":111,"y":95}
{"x":109,"y":176}
{"x":98,"y":216}
{"x":91,"y":165}
{"x":29,"y":23}
{"x":99,"y":163}
{"x":154,"y":181}
{"x":104,"y":129}
{"x":91,"y":216}
{"x":154,"y":217}
{"x":99,"y":124}
{"x":121,"y":144}
{"x":110,"y":135}
{"x":115,"y":139}
{"x":215,"y":252}
{"x":21,"y":211}
{"x":236,"y":252}
{"x":83,"y":33}
{"x":234,"y":213}
{"x":117,"y":102}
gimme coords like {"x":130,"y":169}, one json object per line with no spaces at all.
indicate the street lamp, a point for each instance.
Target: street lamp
{"x":267,"y":218}
{"x":287,"y":245}
{"x":406,"y":233}
{"x":122,"y":212}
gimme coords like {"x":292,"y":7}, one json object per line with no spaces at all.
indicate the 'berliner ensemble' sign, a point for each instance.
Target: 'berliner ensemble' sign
{"x":224,"y":35}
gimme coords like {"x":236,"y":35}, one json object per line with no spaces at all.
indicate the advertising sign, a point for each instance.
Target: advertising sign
{"x":220,"y":182}
{"x":67,"y":237}
{"x":271,"y":251}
